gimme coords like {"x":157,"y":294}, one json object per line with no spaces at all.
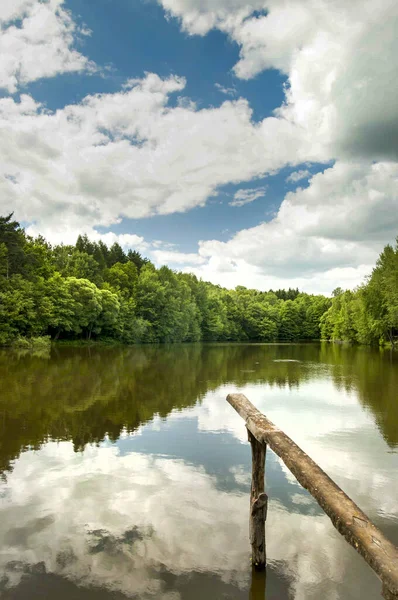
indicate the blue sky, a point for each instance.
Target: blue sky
{"x":132,"y":38}
{"x":248,"y":143}
{"x":217,"y":219}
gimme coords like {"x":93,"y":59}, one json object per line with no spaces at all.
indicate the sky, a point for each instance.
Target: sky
{"x":252,"y":142}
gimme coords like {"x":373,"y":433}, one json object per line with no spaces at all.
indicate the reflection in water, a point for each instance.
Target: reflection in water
{"x":84,"y":394}
{"x":258,"y":585}
{"x":374,"y":376}
{"x":121,"y":522}
{"x":126,"y":473}
{"x":125,"y":523}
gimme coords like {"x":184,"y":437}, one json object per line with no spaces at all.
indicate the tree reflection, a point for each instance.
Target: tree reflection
{"x":84,"y":394}
{"x":373,"y":375}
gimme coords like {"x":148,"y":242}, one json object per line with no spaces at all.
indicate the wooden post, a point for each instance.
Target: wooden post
{"x":258,"y":504}
{"x":346,"y":516}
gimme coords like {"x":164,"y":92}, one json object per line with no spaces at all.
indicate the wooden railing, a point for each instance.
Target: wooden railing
{"x":345,"y":515}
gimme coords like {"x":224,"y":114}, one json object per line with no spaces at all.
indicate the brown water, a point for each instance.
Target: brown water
{"x":125,"y":473}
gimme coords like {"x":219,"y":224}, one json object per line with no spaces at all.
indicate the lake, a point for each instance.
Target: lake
{"x":125,"y":473}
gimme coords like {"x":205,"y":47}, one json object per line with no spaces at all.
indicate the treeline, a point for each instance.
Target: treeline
{"x":91,"y":291}
{"x":368,"y":315}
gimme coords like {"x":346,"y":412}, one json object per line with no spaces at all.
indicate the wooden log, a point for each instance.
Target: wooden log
{"x":258,"y":504}
{"x":345,"y":515}
{"x":387,"y":595}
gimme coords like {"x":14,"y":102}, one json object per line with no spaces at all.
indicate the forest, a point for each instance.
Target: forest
{"x":94,"y":292}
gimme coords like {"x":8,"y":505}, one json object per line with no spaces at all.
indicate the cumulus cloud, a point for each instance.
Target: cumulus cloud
{"x":68,"y":236}
{"x":343,"y":79}
{"x":228,"y":91}
{"x":298,"y":176}
{"x":245,"y":196}
{"x":174,"y":257}
{"x":37,"y":40}
{"x":327,"y":233}
{"x":129,"y":154}
{"x":200,"y":16}
{"x":340,"y":59}
{"x":352,"y":202}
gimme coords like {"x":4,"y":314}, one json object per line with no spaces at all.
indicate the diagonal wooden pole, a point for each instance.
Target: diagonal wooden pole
{"x":346,"y":516}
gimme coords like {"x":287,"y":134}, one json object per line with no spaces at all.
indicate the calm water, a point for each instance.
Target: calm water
{"x":125,"y":473}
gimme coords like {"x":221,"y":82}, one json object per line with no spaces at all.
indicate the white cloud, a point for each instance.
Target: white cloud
{"x":126,"y":240}
{"x":298,"y":176}
{"x":130,"y":155}
{"x":173,"y":257}
{"x":69,"y":236}
{"x":326,"y":235}
{"x":230,"y":273}
{"x":228,"y":91}
{"x":340,"y":59}
{"x":14,"y":9}
{"x":343,"y":83}
{"x":352,"y":202}
{"x":41,"y":45}
{"x":245,"y":196}
{"x":199,"y":16}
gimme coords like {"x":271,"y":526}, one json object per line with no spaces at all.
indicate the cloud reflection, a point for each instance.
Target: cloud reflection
{"x":101,"y":518}
{"x":329,"y":425}
{"x":122,"y":521}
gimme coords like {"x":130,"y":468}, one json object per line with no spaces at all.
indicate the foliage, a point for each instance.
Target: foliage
{"x":89,"y":291}
{"x":35,"y":344}
{"x":370,"y":314}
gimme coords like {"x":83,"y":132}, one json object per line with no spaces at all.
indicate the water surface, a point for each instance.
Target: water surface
{"x":125,"y":473}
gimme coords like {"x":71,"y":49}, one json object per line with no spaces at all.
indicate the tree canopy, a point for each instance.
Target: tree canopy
{"x":91,"y":291}
{"x":369,"y":315}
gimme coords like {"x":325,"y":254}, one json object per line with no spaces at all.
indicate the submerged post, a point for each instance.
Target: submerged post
{"x":346,"y":516}
{"x":258,"y":504}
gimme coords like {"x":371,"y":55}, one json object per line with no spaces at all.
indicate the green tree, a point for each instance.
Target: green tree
{"x":87,"y":302}
{"x":289,"y":324}
{"x":136,"y":258}
{"x":3,"y":260}
{"x":122,"y":278}
{"x":62,"y":318}
{"x":116,"y":255}
{"x":83,"y":266}
{"x":381,"y":296}
{"x":38,"y":258}
{"x":13,"y":238}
